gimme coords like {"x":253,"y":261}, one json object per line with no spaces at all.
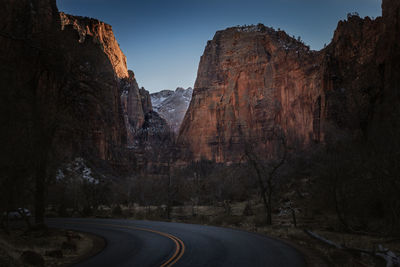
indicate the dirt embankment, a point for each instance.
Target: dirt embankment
{"x":47,"y":247}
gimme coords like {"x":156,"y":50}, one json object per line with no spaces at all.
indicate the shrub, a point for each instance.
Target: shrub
{"x":117,"y":211}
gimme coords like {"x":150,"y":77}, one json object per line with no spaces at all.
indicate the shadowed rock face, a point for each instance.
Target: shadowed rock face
{"x":135,"y":102}
{"x":67,"y":92}
{"x":135,"y":105}
{"x":172,"y":105}
{"x":254,"y":79}
{"x":28,"y":35}
{"x":63,"y":92}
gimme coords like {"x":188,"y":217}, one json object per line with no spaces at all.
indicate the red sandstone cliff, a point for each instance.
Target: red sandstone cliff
{"x":135,"y":102}
{"x":250,"y":78}
{"x":254,"y":79}
{"x":102,"y":34}
{"x":131,"y":105}
{"x":66,"y":93}
{"x":135,"y":105}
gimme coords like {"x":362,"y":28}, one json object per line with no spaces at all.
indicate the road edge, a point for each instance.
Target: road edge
{"x":99,"y":244}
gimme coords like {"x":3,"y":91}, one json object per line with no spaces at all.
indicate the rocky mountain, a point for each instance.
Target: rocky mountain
{"x":255,"y":83}
{"x":159,"y":97}
{"x":172,"y":105}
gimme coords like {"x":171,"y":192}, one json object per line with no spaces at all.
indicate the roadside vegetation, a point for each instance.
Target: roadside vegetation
{"x":339,"y":200}
{"x":338,"y":203}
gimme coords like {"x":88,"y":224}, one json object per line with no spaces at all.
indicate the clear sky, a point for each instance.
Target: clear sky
{"x":164,"y":39}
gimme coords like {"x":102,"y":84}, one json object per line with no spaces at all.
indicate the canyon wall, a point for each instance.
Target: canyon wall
{"x":94,"y":65}
{"x":63,"y":80}
{"x":28,"y":55}
{"x":139,"y":126}
{"x":135,"y":102}
{"x":249,"y":79}
{"x":102,"y":34}
{"x":255,"y":83}
{"x":134,"y":109}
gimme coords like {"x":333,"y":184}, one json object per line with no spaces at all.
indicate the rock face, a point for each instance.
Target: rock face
{"x":95,"y":67}
{"x":135,"y":105}
{"x":388,"y":114}
{"x":141,"y":128}
{"x":29,"y":61}
{"x":145,"y":100}
{"x":61,"y":92}
{"x":249,"y":79}
{"x":102,"y":34}
{"x":159,"y":97}
{"x":253,"y":81}
{"x":172,"y":105}
{"x":135,"y":102}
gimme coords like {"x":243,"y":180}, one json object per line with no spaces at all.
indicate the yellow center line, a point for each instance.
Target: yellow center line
{"x":179,"y":245}
{"x":180,"y":254}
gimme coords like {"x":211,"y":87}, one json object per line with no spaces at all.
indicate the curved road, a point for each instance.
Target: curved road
{"x":147,"y":243}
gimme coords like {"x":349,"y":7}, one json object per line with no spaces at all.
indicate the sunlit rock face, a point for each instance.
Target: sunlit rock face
{"x":252,"y":79}
{"x":172,"y":105}
{"x":101,"y":34}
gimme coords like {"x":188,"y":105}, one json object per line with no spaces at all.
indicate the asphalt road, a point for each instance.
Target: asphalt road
{"x":147,"y":243}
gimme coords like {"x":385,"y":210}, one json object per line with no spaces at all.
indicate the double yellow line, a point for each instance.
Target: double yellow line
{"x":179,"y":245}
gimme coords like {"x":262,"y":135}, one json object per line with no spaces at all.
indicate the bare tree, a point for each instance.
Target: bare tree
{"x":266,"y":169}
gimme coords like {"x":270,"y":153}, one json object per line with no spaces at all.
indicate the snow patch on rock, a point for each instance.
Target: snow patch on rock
{"x":172,"y":105}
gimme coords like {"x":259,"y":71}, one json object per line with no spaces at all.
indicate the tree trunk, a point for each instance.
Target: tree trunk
{"x":269,"y":209}
{"x":42,"y":150}
{"x":169,"y":202}
{"x":40,"y":181}
{"x":267,"y":204}
{"x":294,"y":217}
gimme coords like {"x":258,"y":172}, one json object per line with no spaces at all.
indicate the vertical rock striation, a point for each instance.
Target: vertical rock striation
{"x":135,"y":105}
{"x":254,"y":80}
{"x":249,"y":79}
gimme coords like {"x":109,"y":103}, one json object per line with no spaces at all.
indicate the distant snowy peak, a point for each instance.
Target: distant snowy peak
{"x":172,"y":105}
{"x":159,"y":97}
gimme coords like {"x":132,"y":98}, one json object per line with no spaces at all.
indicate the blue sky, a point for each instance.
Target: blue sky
{"x":164,"y":39}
